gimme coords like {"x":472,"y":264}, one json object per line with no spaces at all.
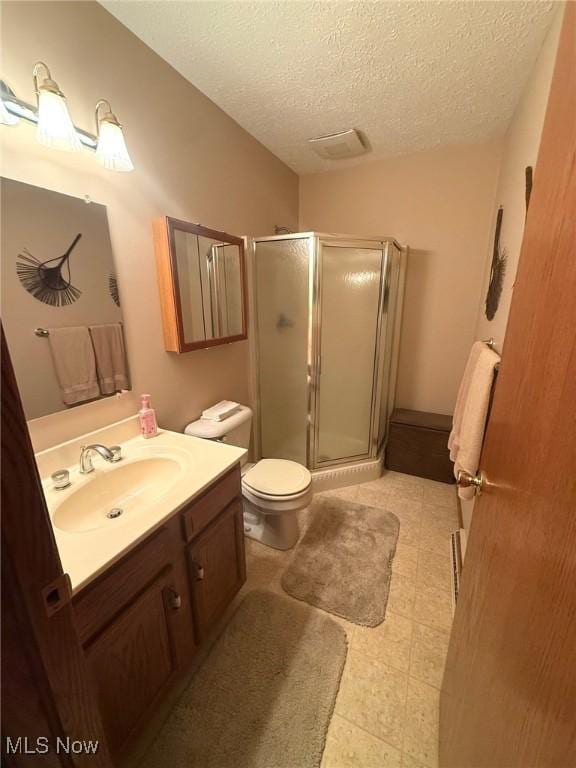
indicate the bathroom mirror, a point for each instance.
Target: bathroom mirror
{"x":60,"y":300}
{"x":202,"y":280}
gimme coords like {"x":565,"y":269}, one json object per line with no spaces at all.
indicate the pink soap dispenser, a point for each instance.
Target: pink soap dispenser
{"x":147,"y":418}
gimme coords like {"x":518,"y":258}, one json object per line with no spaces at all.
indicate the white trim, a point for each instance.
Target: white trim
{"x":345,"y":475}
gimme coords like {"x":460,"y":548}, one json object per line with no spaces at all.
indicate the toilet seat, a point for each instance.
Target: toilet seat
{"x":276,"y":479}
{"x":277,"y":503}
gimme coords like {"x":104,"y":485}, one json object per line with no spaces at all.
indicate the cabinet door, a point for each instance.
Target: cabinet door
{"x":134,"y":660}
{"x":217,"y":567}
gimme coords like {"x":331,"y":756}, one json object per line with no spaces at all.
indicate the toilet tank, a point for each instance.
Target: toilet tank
{"x":235,"y":430}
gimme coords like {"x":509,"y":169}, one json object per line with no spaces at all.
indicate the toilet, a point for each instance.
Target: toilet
{"x":273,"y":490}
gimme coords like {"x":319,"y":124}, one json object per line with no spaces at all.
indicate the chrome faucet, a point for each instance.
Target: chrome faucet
{"x":112,"y":454}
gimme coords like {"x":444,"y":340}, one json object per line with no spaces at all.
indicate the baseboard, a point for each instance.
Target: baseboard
{"x":346,"y":474}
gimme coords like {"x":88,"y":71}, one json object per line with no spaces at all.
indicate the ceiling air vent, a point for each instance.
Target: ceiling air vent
{"x":338,"y":146}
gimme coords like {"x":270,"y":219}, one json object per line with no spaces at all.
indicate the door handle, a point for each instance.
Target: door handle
{"x":466,"y":480}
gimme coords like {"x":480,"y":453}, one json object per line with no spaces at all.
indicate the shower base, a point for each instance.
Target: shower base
{"x":346,"y":474}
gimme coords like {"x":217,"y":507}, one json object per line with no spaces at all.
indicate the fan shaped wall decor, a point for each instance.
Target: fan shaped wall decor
{"x":45,"y":280}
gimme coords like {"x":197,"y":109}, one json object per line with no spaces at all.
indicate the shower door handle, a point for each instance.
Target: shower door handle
{"x":310,"y":372}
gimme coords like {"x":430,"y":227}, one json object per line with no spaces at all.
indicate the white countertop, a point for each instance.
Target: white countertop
{"x":87,"y":553}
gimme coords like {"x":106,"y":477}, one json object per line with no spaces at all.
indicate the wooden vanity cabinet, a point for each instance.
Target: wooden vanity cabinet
{"x":135,"y":623}
{"x":143,"y":619}
{"x":217,"y":567}
{"x":134,"y":660}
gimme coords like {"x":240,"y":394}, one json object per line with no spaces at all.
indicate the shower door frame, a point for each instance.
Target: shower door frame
{"x":385,"y":325}
{"x":381,"y":323}
{"x":309,"y":236}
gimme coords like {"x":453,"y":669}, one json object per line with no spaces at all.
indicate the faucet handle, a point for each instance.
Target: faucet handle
{"x":85,"y":460}
{"x":61,"y":479}
{"x":116,"y":451}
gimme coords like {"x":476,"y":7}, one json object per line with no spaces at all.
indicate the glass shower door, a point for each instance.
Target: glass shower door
{"x":350,"y":286}
{"x":283,"y":282}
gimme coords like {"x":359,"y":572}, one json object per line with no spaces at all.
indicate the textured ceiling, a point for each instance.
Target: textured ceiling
{"x":408,"y":75}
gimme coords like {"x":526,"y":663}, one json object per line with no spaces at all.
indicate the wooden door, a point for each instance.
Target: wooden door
{"x":47,"y":693}
{"x":509,"y":692}
{"x":217,"y":567}
{"x":134,"y":660}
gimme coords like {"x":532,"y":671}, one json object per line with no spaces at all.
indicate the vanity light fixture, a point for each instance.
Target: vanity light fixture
{"x":17,"y":110}
{"x":111,"y":151}
{"x":55,"y":127}
{"x":6,"y":117}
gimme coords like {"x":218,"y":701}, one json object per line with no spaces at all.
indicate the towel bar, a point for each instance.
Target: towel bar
{"x":43,"y":332}
{"x":491,"y":342}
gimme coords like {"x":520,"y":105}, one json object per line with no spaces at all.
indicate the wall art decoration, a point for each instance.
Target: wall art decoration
{"x":497,"y":271}
{"x":49,"y":281}
{"x":113,"y":288}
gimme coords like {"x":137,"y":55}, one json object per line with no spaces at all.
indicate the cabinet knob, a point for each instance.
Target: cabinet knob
{"x":173,"y":599}
{"x":199,"y":570}
{"x":61,"y":479}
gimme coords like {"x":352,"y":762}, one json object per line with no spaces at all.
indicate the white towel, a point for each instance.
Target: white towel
{"x":221,"y":410}
{"x":466,"y":438}
{"x":108,"y":341}
{"x":74,"y":363}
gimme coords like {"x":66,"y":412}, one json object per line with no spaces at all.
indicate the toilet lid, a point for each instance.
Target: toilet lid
{"x":278,"y":477}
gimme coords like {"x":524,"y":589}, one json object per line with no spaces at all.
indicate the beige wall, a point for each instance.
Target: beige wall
{"x":192,"y":162}
{"x":439,"y":203}
{"x":520,"y":150}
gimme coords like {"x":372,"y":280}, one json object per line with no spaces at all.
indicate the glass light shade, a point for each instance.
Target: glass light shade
{"x":111,"y":151}
{"x":55,"y":127}
{"x":7,"y":118}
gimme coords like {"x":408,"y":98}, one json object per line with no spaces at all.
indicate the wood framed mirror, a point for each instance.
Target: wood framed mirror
{"x":202,"y":283}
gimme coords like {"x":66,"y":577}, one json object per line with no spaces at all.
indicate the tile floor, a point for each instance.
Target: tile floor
{"x":386,"y":713}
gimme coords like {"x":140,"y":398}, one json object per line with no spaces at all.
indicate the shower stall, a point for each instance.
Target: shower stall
{"x":326,"y":321}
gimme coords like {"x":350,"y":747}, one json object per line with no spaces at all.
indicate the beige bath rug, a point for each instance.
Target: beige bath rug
{"x":264,"y":696}
{"x":343,"y":562}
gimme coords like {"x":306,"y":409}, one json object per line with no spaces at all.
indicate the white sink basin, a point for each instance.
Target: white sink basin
{"x":109,"y":498}
{"x":152,"y":482}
